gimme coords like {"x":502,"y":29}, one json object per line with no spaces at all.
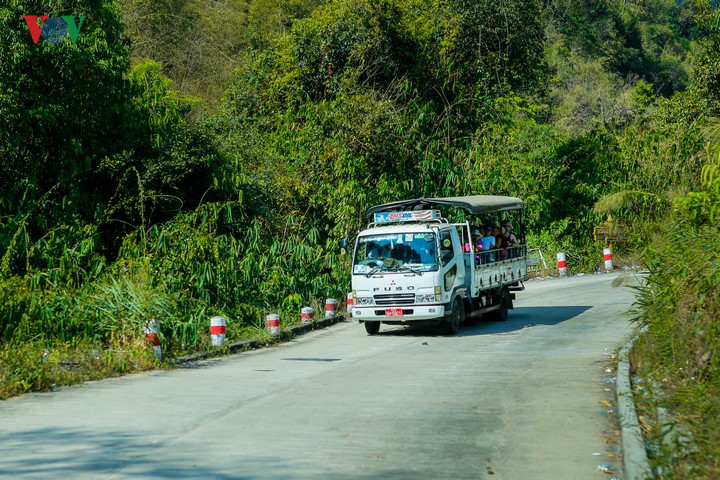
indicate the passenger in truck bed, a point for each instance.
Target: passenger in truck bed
{"x":501,"y":243}
{"x":488,"y":243}
{"x":477,"y":239}
{"x":475,"y":244}
{"x":511,"y":239}
{"x":507,"y":231}
{"x":488,"y":240}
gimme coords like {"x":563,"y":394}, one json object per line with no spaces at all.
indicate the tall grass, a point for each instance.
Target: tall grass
{"x":680,"y":352}
{"x":210,"y":261}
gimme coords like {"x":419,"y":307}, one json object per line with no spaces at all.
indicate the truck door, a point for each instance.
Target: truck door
{"x":468,"y":249}
{"x":452,"y":264}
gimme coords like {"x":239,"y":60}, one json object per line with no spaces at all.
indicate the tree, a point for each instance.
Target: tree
{"x":63,"y":106}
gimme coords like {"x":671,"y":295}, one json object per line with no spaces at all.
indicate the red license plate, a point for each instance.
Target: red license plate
{"x":393,"y":312}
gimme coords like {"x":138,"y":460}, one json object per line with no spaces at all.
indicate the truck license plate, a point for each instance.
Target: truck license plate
{"x":393,"y":312}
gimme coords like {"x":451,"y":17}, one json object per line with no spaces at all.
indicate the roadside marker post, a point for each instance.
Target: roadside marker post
{"x":562,"y":264}
{"x":330,"y":308}
{"x":307,"y":314}
{"x":152,"y":337}
{"x":607,"y":256}
{"x":272,"y":322}
{"x":349,"y":304}
{"x":217,"y":330}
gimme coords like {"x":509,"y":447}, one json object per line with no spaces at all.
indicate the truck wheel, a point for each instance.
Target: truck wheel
{"x":372,"y":327}
{"x":502,"y":299}
{"x":457,"y":316}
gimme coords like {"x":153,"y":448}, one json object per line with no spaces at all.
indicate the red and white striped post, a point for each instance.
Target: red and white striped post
{"x":349,"y":304}
{"x":272,"y":322}
{"x":217,"y":331}
{"x":330,"y":308}
{"x":307,"y":314}
{"x":152,"y":337}
{"x":562,"y":264}
{"x":607,"y":256}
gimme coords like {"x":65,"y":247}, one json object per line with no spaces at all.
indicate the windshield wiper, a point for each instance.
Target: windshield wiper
{"x":372,"y":272}
{"x":410,"y":269}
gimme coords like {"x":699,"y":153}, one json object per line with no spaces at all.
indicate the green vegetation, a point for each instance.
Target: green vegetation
{"x":186,"y":159}
{"x":680,"y":352}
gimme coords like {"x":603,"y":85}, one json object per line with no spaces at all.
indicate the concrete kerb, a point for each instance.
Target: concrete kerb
{"x":635,"y":461}
{"x":244,"y":345}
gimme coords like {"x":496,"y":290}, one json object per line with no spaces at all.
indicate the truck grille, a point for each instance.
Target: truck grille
{"x":395,"y":299}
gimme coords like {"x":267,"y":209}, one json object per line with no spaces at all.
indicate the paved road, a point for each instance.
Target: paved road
{"x":514,"y":400}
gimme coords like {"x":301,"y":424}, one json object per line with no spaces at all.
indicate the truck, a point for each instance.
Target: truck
{"x":411,"y":265}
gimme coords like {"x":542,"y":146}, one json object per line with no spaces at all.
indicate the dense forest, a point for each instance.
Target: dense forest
{"x":189,"y":158}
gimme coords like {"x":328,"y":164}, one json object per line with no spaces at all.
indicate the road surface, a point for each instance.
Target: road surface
{"x":514,"y":400}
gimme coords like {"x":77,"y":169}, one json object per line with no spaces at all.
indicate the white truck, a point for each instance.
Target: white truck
{"x":411,"y":265}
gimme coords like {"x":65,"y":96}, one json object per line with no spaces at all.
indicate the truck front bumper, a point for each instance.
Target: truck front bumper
{"x":410,"y":313}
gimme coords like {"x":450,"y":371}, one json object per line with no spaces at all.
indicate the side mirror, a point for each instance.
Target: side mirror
{"x":343,"y":245}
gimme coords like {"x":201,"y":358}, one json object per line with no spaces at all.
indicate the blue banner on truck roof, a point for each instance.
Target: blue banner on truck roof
{"x":414,"y":215}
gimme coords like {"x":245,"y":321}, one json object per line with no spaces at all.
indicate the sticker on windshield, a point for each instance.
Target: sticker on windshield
{"x":408,"y":237}
{"x":446,"y":243}
{"x":360,"y":269}
{"x":378,"y":238}
{"x":400,"y":238}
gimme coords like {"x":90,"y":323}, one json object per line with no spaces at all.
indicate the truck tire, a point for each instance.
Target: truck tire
{"x":372,"y":327}
{"x":457,"y":316}
{"x":502,"y":299}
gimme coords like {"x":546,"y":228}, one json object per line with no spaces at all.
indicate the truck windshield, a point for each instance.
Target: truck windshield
{"x":396,"y":252}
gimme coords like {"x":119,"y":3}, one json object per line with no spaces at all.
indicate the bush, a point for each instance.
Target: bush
{"x":680,"y":304}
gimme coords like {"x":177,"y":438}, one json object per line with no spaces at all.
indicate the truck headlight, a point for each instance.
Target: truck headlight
{"x":364,"y":301}
{"x":425,"y":298}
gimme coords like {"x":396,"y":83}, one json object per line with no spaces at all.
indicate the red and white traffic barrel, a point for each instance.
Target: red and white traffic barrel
{"x":307,"y":314}
{"x":330,"y":308}
{"x":272,"y":322}
{"x":152,"y":337}
{"x":562,"y":264}
{"x":607,"y":256}
{"x":349,"y":304}
{"x":217,"y":331}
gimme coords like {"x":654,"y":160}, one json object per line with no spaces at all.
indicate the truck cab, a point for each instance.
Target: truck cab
{"x":413,"y":266}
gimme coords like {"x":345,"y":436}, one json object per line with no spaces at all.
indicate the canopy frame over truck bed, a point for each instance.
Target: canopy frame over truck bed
{"x":475,"y":204}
